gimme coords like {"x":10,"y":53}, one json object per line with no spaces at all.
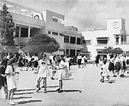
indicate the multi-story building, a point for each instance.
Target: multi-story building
{"x":114,"y":36}
{"x":68,"y":37}
{"x":29,"y":22}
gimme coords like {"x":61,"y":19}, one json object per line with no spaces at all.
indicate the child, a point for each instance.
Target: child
{"x":104,"y":72}
{"x":11,"y":81}
{"x":43,"y":72}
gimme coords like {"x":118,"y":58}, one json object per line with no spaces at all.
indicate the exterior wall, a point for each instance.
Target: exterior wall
{"x":115,"y":27}
{"x":24,"y":20}
{"x":59,"y":28}
{"x":50,"y":24}
{"x":24,"y":17}
{"x":42,"y":21}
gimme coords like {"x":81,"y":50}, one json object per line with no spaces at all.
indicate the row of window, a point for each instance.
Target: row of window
{"x":104,"y":40}
{"x":120,"y":39}
{"x":58,"y":20}
{"x":23,"y":31}
{"x":72,"y":52}
{"x":67,"y":39}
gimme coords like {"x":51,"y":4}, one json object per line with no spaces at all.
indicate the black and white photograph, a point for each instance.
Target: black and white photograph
{"x":64,"y":52}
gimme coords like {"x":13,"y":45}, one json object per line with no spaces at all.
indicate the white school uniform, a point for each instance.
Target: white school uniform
{"x":43,"y":71}
{"x":11,"y":81}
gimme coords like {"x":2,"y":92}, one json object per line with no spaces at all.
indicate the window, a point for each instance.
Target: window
{"x":125,"y":39}
{"x":66,"y":39}
{"x":102,"y":40}
{"x":49,"y":32}
{"x":54,"y":33}
{"x":24,"y":32}
{"x":72,"y":40}
{"x":88,"y":42}
{"x":67,"y":51}
{"x":61,"y":34}
{"x":55,"y":19}
{"x":117,"y":39}
{"x":17,"y":31}
{"x":122,"y":39}
{"x":78,"y":40}
{"x":72,"y":52}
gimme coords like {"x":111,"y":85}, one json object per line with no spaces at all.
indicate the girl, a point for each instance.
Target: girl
{"x":11,"y":81}
{"x":117,"y":66}
{"x":43,"y":72}
{"x":62,"y":73}
{"x":111,"y":65}
{"x":104,"y":72}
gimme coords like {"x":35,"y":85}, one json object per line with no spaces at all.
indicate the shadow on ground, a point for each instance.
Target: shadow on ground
{"x":120,"y":105}
{"x":79,"y":91}
{"x":29,"y":101}
{"x":22,"y":97}
{"x":25,"y":90}
{"x":24,"y":93}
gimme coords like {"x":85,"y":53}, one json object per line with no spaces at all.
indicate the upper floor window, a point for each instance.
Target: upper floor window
{"x":102,"y":40}
{"x":78,"y":40}
{"x":61,"y":34}
{"x":123,"y":39}
{"x":17,"y":31}
{"x":72,"y":40}
{"x":49,"y":32}
{"x":55,"y":19}
{"x":54,"y":33}
{"x":88,"y":42}
{"x":24,"y":31}
{"x":66,"y":39}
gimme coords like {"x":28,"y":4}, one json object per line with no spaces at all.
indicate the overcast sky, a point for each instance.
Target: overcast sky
{"x":83,"y":14}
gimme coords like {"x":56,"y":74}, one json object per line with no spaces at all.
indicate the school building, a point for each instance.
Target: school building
{"x":113,"y":36}
{"x":29,"y":22}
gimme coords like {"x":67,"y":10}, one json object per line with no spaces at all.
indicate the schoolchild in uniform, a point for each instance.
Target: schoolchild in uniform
{"x":11,"y":80}
{"x":43,"y":73}
{"x":104,"y":72}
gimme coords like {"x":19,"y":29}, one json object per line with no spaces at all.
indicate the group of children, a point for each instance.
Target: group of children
{"x":115,"y":64}
{"x":8,"y":71}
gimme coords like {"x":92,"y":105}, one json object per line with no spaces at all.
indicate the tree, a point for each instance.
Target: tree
{"x":7,"y":28}
{"x":41,"y":43}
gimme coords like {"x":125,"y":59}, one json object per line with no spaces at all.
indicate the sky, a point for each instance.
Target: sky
{"x":83,"y":14}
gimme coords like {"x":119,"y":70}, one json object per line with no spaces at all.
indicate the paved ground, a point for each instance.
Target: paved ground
{"x":83,"y":89}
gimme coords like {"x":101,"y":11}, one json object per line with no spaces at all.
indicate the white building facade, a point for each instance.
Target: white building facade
{"x":29,"y":22}
{"x":114,"y":36}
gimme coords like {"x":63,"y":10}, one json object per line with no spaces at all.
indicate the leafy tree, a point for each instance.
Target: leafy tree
{"x":41,"y":43}
{"x":7,"y":27}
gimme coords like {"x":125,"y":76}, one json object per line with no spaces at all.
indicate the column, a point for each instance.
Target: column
{"x":28,"y":31}
{"x":19,"y":31}
{"x":119,"y":39}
